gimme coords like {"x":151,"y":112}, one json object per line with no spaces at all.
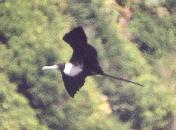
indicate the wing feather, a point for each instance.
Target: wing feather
{"x":76,"y":38}
{"x":73,"y":84}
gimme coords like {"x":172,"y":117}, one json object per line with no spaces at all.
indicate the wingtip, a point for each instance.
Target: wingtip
{"x":71,"y":95}
{"x":76,"y":34}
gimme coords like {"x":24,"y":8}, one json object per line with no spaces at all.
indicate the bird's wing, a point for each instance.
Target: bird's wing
{"x":73,"y":84}
{"x":76,"y":38}
{"x":83,"y":53}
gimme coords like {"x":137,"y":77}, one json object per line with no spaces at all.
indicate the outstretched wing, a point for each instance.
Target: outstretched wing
{"x":83,"y":53}
{"x":77,"y":40}
{"x":73,"y":84}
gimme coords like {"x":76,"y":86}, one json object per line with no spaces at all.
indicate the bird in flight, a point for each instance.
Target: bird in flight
{"x":83,"y":63}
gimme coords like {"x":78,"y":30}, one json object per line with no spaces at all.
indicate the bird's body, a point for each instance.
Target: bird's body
{"x":83,"y":62}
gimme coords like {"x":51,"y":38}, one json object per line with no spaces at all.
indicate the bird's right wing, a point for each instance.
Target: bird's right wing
{"x":73,"y":84}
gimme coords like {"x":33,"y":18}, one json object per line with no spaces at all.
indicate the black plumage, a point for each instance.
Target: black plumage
{"x":83,"y":63}
{"x":83,"y":55}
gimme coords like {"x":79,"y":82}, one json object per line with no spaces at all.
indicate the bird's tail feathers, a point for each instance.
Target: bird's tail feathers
{"x":122,"y":79}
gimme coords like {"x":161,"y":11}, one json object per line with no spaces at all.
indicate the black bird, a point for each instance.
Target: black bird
{"x":83,"y":62}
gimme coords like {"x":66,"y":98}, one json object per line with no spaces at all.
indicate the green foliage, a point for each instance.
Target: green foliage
{"x":149,"y":29}
{"x":34,"y":31}
{"x":93,"y":108}
{"x":31,"y":36}
{"x":14,"y":110}
{"x":126,"y":60}
{"x":155,"y":37}
{"x":171,"y":5}
{"x":154,"y":3}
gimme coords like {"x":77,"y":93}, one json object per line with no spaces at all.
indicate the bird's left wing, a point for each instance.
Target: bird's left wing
{"x":78,"y":41}
{"x":76,"y":38}
{"x":73,"y":84}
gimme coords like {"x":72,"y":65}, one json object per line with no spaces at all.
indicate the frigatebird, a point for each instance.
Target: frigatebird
{"x":83,"y":63}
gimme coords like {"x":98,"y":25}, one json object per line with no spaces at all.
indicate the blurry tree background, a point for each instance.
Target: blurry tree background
{"x":135,"y":39}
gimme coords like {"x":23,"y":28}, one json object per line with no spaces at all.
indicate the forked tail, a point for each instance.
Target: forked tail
{"x":122,"y":79}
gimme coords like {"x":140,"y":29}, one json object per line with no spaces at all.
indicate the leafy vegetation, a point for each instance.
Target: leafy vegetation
{"x":15,"y":111}
{"x":134,"y":39}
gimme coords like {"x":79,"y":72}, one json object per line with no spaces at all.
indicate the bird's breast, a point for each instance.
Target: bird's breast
{"x":72,"y":70}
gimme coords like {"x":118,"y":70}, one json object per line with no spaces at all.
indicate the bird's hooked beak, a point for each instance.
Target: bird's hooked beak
{"x":50,"y":67}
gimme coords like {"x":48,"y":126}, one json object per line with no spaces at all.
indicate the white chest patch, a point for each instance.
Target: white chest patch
{"x":68,"y":67}
{"x":72,"y":70}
